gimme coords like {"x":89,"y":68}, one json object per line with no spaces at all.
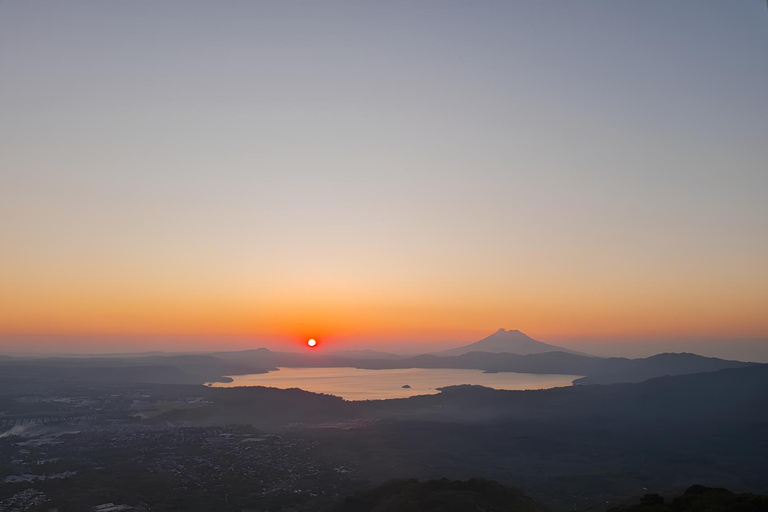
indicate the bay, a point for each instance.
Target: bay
{"x":361,"y":384}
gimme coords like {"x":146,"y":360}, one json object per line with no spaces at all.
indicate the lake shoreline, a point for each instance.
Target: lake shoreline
{"x":356,"y":384}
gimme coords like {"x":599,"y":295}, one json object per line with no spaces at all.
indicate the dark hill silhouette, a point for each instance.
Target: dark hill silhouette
{"x":698,"y":498}
{"x":190,"y":369}
{"x":546,"y":362}
{"x":730,"y":395}
{"x":733,"y":394}
{"x":513,"y":342}
{"x":168,"y":369}
{"x":479,"y":494}
{"x":438,"y":496}
{"x":617,"y":369}
{"x":19,"y":374}
{"x":704,"y":427}
{"x":597,"y":370}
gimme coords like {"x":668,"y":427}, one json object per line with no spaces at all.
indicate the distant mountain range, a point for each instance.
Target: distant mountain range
{"x":619,"y":369}
{"x":596,"y":370}
{"x":503,"y":341}
{"x":503,"y":351}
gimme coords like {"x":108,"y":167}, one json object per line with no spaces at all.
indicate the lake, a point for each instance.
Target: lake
{"x":359,"y":384}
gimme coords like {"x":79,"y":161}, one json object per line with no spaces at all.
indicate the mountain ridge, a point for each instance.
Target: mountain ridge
{"x":507,"y":341}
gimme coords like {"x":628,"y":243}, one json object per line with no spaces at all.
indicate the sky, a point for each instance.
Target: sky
{"x":396,"y":175}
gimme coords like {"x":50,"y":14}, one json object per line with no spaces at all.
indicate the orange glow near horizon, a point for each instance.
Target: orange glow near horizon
{"x":377,"y":296}
{"x":346,"y":320}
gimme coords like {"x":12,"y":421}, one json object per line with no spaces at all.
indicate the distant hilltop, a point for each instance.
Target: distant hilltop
{"x":504,"y":341}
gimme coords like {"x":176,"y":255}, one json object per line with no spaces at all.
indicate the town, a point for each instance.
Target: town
{"x":97,"y":449}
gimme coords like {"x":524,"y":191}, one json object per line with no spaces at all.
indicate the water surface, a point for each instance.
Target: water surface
{"x":359,"y":384}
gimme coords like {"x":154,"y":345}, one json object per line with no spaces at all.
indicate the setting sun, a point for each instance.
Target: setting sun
{"x":532,"y":236}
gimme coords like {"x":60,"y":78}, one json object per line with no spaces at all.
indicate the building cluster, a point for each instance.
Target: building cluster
{"x":213,"y":460}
